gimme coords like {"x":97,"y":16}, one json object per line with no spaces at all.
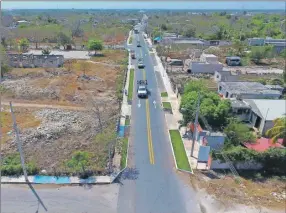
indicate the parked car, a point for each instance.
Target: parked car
{"x":233,"y":61}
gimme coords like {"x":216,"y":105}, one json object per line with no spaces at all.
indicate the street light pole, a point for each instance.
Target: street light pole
{"x":195,"y":125}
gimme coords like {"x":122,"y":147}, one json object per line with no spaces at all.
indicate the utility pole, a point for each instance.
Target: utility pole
{"x":0,"y":105}
{"x":19,"y":143}
{"x":195,"y":125}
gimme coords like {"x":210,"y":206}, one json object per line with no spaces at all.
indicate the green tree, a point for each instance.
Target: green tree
{"x":190,"y":31}
{"x":79,"y":161}
{"x":164,"y":27}
{"x":94,"y":45}
{"x":64,"y":39}
{"x":278,"y":130}
{"x":5,"y":68}
{"x":195,"y":85}
{"x":46,"y":51}
{"x":261,"y":52}
{"x":24,"y":44}
{"x":237,"y":133}
{"x":212,"y":108}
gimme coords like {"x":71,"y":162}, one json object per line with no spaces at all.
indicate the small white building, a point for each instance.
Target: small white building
{"x":225,"y":75}
{"x":208,"y":64}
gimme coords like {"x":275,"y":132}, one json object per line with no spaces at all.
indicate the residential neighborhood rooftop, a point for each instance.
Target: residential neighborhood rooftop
{"x":268,"y":109}
{"x":248,"y":88}
{"x":239,"y":104}
{"x":262,"y":144}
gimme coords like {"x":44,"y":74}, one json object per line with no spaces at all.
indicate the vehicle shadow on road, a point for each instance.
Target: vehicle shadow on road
{"x":128,"y":174}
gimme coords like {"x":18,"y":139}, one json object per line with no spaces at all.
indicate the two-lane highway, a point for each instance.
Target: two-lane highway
{"x":155,"y":187}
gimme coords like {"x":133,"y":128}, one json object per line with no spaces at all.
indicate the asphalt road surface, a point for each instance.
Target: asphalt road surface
{"x":151,"y":184}
{"x":68,"y":199}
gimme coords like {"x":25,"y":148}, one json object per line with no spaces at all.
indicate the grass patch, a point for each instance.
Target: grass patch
{"x":130,"y":40}
{"x":127,"y":121}
{"x":167,"y":105}
{"x":131,"y":85}
{"x":164,"y":94}
{"x":124,"y":148}
{"x":179,"y":151}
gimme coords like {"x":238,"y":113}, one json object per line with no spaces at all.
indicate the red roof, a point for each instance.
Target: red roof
{"x":199,"y":128}
{"x":262,"y":144}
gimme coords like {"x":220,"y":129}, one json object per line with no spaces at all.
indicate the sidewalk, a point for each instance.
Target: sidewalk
{"x":40,"y":179}
{"x":172,"y":120}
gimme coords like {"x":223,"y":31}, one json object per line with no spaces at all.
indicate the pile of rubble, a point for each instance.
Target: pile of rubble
{"x":22,"y":89}
{"x":57,"y":123}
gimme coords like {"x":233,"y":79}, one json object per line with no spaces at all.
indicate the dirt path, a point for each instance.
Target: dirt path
{"x":31,"y":105}
{"x":106,"y":64}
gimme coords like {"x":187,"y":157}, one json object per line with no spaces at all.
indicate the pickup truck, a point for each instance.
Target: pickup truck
{"x":142,"y":91}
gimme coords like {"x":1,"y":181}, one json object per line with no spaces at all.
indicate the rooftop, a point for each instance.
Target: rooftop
{"x":268,"y":109}
{"x":262,"y":144}
{"x":274,"y":87}
{"x":246,"y":87}
{"x":239,"y":104}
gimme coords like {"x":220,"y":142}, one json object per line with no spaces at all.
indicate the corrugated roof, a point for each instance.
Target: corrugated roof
{"x":269,"y":109}
{"x":246,"y":87}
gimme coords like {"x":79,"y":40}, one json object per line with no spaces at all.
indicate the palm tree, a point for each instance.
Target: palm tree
{"x":278,"y":130}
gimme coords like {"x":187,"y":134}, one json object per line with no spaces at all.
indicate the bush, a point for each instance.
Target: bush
{"x":11,"y":165}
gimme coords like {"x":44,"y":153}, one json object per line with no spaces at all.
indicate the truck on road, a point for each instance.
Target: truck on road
{"x":142,"y":91}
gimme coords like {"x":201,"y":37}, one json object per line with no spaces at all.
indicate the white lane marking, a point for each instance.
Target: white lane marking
{"x":154,"y":102}
{"x":139,"y":104}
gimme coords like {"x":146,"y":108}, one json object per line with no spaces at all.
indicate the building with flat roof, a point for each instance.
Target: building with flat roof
{"x":246,"y":90}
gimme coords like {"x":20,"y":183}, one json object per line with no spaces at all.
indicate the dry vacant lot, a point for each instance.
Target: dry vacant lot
{"x":58,"y":111}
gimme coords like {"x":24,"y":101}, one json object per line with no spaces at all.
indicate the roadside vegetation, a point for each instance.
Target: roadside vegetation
{"x":11,"y":165}
{"x":179,"y":151}
{"x":130,"y":40}
{"x":123,"y":152}
{"x":131,"y":85}
{"x":167,"y":105}
{"x":164,"y":94}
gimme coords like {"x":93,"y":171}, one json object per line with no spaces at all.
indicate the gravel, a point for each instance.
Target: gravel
{"x":22,"y":89}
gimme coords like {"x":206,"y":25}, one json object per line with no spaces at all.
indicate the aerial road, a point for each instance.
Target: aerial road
{"x":151,"y":183}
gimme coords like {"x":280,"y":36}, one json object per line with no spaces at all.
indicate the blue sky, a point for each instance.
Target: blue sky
{"x":143,"y":5}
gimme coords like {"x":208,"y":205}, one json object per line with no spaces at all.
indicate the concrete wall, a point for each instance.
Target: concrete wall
{"x":200,"y":67}
{"x":250,"y":165}
{"x":30,"y":61}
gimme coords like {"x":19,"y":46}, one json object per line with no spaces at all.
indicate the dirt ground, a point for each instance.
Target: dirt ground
{"x":261,"y":194}
{"x":50,"y":135}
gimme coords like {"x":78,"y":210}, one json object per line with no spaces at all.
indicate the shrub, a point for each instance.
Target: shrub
{"x":11,"y":165}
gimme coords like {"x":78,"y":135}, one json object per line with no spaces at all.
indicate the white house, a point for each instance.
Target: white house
{"x":246,"y":90}
{"x":259,"y":113}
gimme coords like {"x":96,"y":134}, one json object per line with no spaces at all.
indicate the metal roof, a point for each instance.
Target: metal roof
{"x":245,"y":87}
{"x":267,"y":109}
